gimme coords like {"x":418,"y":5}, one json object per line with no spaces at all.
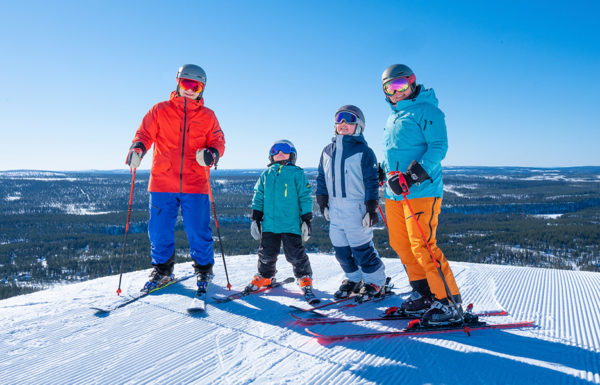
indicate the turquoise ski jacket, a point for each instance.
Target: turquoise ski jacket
{"x":416,"y":130}
{"x":283,"y":194}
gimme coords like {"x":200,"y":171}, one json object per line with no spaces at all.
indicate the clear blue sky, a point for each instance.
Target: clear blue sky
{"x":518,"y":81}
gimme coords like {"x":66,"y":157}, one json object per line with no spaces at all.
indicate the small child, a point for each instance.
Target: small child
{"x":348,"y":196}
{"x":281,"y":212}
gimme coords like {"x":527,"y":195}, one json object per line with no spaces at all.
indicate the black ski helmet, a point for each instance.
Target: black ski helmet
{"x":360,"y":124}
{"x":192,"y":72}
{"x":293,"y":152}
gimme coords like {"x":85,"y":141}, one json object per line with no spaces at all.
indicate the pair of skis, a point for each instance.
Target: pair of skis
{"x":198,"y":302}
{"x":415,"y":327}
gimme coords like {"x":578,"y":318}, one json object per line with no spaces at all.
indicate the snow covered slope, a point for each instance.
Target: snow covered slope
{"x":52,"y":337}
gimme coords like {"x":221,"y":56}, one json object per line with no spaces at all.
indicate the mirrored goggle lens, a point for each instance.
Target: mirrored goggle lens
{"x":346,"y":116}
{"x":283,"y":147}
{"x":191,"y":85}
{"x":399,"y":84}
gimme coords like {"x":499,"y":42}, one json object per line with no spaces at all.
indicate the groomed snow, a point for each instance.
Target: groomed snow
{"x":52,"y":337}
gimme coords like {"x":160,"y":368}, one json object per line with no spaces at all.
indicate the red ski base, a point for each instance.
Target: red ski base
{"x":420,"y":331}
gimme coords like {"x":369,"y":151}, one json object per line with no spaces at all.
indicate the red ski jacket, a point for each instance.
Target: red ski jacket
{"x":177,"y":128}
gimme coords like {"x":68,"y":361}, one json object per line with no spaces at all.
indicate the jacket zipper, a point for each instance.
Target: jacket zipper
{"x":285,"y":195}
{"x":183,"y":145}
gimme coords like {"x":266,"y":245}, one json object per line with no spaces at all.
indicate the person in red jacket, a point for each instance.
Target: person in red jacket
{"x":187,"y":141}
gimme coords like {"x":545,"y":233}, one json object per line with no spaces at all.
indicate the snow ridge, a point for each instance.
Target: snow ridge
{"x":52,"y":337}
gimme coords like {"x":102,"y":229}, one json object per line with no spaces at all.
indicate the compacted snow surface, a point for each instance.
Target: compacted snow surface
{"x":53,"y":337}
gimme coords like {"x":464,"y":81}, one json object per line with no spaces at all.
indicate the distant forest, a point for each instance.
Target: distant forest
{"x":60,"y":227}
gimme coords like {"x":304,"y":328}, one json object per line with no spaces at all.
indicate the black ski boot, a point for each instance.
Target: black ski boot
{"x":204,"y":276}
{"x":442,"y":313}
{"x":415,"y":305}
{"x":160,"y":276}
{"x":347,"y":288}
{"x":305,"y":283}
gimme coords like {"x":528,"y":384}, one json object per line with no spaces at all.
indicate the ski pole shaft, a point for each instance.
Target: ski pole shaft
{"x":382,"y":216}
{"x":126,"y":229}
{"x":217,"y":225}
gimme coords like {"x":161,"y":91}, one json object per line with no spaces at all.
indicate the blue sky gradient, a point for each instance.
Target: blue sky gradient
{"x":518,"y":81}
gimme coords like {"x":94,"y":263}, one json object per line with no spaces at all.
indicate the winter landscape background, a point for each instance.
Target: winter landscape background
{"x":68,"y":226}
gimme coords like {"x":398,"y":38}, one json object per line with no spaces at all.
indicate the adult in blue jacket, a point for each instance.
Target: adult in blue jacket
{"x":348,"y":196}
{"x":415,"y":142}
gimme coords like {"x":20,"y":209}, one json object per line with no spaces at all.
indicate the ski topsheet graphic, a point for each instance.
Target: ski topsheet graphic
{"x":132,"y":298}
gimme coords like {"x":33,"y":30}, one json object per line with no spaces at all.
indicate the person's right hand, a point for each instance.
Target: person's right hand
{"x":135,"y":155}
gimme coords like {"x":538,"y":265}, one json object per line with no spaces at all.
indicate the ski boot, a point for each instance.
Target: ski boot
{"x":204,"y":276}
{"x":159,"y":276}
{"x":258,"y":282}
{"x":305,"y":283}
{"x":415,"y":305}
{"x":347,"y":288}
{"x":442,"y":313}
{"x":368,"y":292}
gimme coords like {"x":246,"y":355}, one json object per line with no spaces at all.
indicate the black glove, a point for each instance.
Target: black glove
{"x":256,"y":227}
{"x":206,"y":157}
{"x":135,"y":154}
{"x":380,"y":174}
{"x":306,"y":227}
{"x":371,"y":218}
{"x":415,"y":174}
{"x":323,"y":202}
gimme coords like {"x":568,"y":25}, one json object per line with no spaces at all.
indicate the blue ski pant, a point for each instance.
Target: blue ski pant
{"x":353,"y":244}
{"x":195,"y":210}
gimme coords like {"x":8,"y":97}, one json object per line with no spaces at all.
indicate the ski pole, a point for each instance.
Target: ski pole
{"x":382,"y":216}
{"x":126,"y":229}
{"x":405,"y":192}
{"x":217,"y":225}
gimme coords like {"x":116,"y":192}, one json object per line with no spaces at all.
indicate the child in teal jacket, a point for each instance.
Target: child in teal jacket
{"x":281,"y":213}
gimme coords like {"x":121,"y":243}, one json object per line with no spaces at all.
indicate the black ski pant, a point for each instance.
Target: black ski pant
{"x":293,"y":249}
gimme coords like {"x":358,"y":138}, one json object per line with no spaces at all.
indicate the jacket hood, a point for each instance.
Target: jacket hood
{"x":180,"y":101}
{"x":425,"y":96}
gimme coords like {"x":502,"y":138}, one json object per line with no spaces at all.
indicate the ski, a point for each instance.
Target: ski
{"x":357,"y":301}
{"x":132,"y":298}
{"x":242,"y":294}
{"x":198,"y":303}
{"x":421,"y":330}
{"x":324,"y":321}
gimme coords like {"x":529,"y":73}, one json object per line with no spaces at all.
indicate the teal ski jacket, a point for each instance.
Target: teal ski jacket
{"x":283,"y":194}
{"x":416,"y":130}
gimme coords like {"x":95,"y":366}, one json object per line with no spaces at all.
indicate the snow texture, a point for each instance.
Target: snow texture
{"x":53,"y":337}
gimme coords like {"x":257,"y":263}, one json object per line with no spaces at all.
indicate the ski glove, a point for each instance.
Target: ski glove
{"x":306,"y":226}
{"x":415,"y":174}
{"x":255,"y":227}
{"x":135,"y":154}
{"x":370,"y":219}
{"x":380,"y":174}
{"x":323,"y":202}
{"x":256,"y":230}
{"x":206,"y":157}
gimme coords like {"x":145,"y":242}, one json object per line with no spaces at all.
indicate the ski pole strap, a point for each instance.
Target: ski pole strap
{"x":401,"y":181}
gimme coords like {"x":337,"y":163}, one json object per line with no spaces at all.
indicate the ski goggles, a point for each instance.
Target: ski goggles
{"x":283,"y":147}
{"x":190,"y":85}
{"x":346,"y":116}
{"x":398,"y":85}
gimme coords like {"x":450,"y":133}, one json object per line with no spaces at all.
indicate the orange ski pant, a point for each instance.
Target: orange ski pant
{"x":407,"y":242}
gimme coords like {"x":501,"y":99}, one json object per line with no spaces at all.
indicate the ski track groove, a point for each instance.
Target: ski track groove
{"x":226,"y":345}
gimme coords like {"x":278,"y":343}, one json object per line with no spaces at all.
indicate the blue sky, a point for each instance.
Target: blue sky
{"x":518,"y":81}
